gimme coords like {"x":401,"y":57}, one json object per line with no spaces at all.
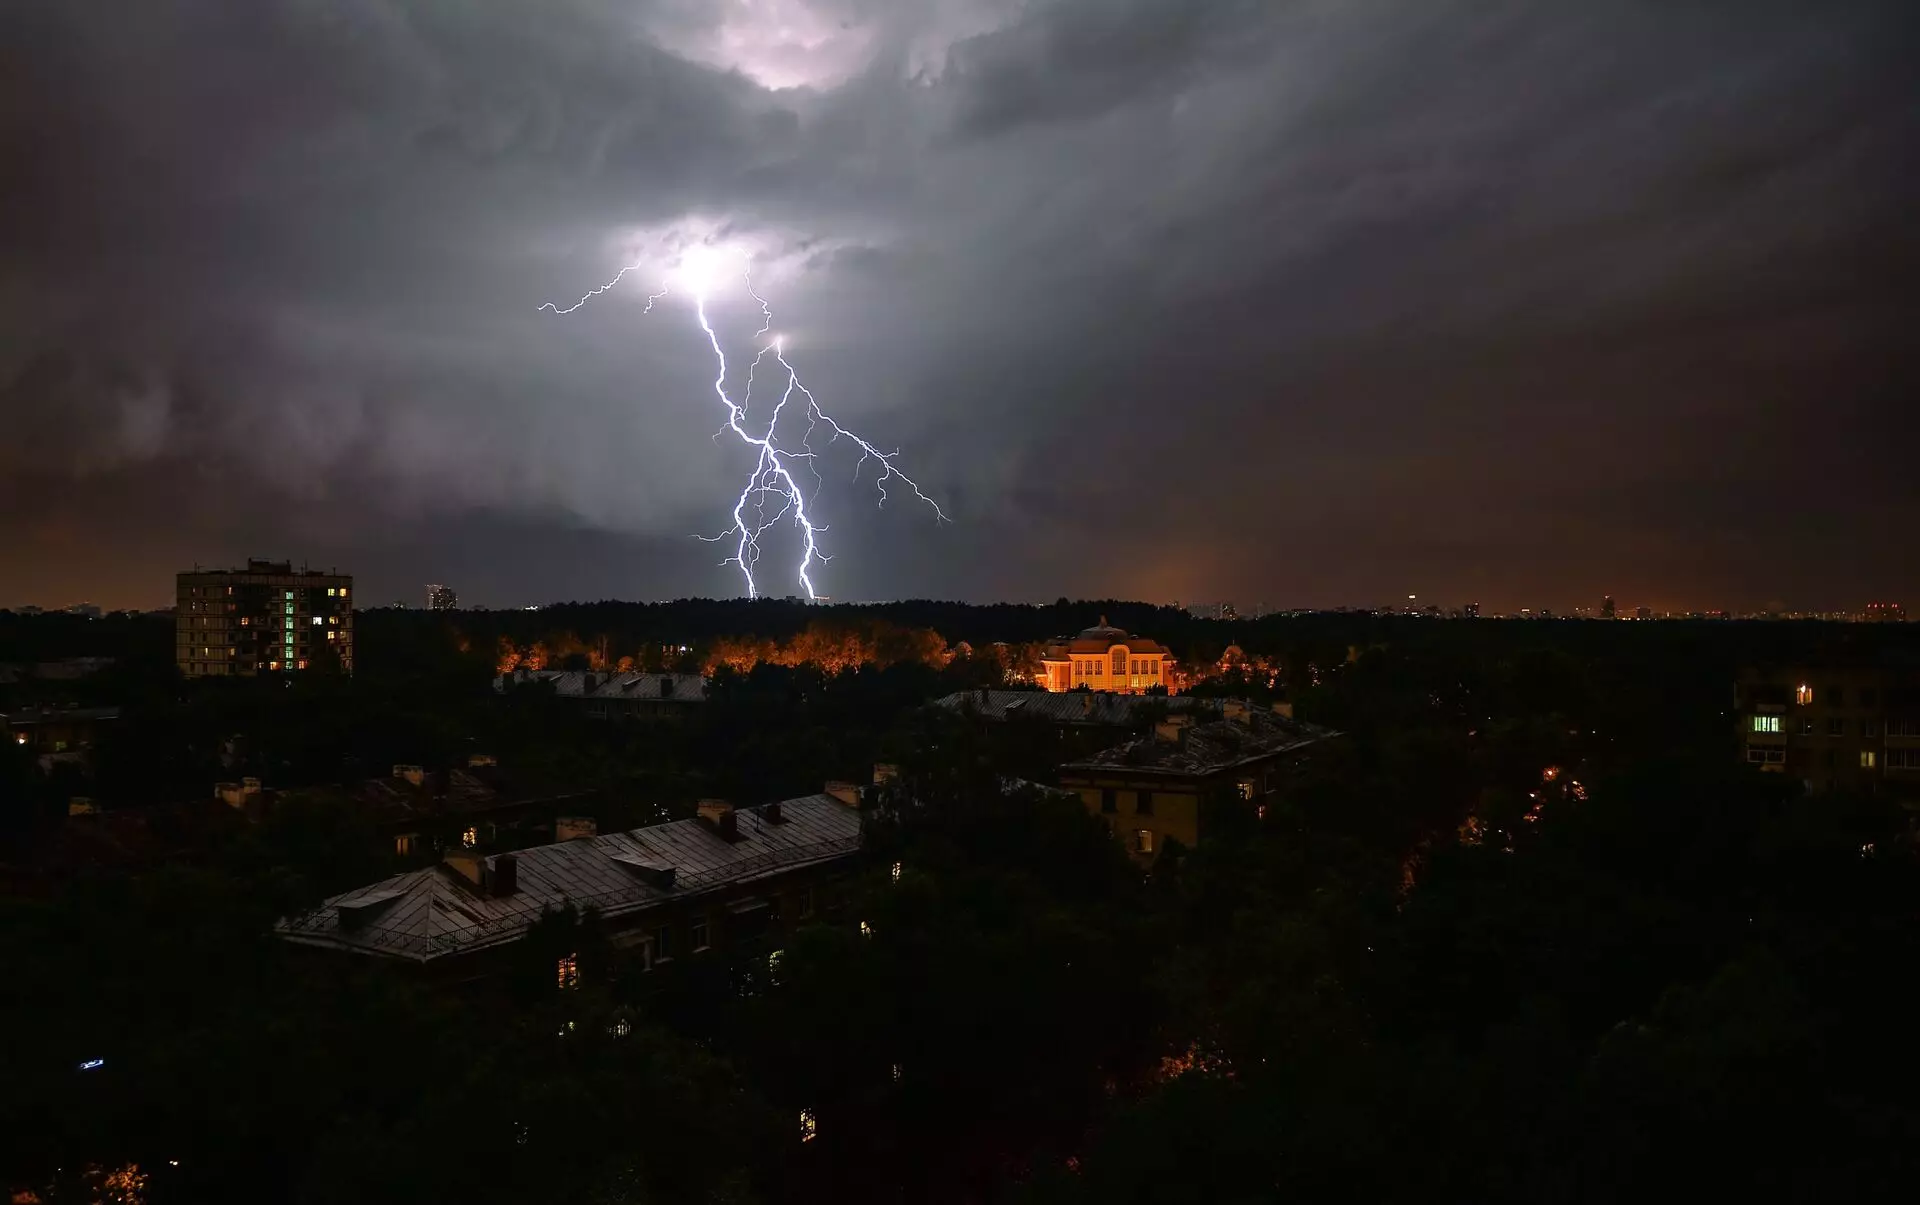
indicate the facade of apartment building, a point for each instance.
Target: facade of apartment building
{"x":262,"y":620}
{"x":1835,"y":728}
{"x":1163,"y":786}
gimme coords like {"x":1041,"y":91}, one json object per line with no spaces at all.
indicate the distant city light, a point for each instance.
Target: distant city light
{"x":92,"y":1064}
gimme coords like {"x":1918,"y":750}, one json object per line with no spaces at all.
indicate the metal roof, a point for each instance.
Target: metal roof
{"x":1209,"y":747}
{"x":28,"y":716}
{"x":572,"y":684}
{"x":1074,"y":707}
{"x":427,"y":914}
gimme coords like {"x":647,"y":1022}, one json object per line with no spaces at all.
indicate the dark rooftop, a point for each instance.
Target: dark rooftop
{"x":1075,"y":707}
{"x":428,"y":914}
{"x":1243,"y":734}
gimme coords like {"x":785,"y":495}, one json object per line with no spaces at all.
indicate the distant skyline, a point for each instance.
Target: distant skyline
{"x":380,"y":592}
{"x":1313,"y":304}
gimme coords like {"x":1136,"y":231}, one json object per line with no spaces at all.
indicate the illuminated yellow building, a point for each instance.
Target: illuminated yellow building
{"x":1106,"y":658}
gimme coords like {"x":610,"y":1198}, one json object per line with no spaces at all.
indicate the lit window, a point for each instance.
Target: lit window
{"x":1869,"y":759}
{"x":303,"y":665}
{"x":330,"y":591}
{"x":244,"y":621}
{"x":866,"y":930}
{"x":1143,"y":840}
{"x":1766,"y":723}
{"x":897,"y":1069}
{"x":1245,"y":788}
{"x":1803,"y":694}
{"x":333,"y":619}
{"x":289,"y":594}
{"x":317,"y":621}
{"x":809,"y":1126}
{"x":343,"y":592}
{"x":569,"y":972}
{"x":896,"y":872}
{"x":470,"y":838}
{"x":273,"y":665}
{"x":332,"y":635}
{"x":773,"y":966}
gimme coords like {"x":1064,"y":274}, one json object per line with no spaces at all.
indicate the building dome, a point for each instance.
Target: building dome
{"x":1102,"y":631}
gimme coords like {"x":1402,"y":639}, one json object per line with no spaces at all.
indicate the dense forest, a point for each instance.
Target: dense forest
{"x":1527,"y":932}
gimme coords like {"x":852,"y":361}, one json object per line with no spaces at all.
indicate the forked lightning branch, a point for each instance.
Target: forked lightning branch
{"x":772,"y":493}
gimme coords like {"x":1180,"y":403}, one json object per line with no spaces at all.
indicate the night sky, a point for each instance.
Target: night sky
{"x":1309,"y":303}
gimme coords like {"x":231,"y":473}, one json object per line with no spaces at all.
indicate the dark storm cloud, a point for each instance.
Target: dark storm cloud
{"x":1307,"y":301}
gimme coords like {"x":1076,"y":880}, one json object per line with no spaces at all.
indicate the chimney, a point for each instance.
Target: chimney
{"x":1173,"y":729}
{"x":1283,"y":710}
{"x":1234,"y":709}
{"x":666,"y":686}
{"x":588,"y":682}
{"x":469,"y":865}
{"x":572,"y":828}
{"x":772,"y":814}
{"x":413,"y":774}
{"x":1086,"y":703}
{"x":884,"y":772}
{"x":717,"y":814}
{"x":249,"y":786}
{"x":845,"y":792}
{"x":504,"y":876}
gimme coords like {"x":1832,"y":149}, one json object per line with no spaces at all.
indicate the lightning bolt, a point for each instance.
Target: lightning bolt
{"x":773,"y":479}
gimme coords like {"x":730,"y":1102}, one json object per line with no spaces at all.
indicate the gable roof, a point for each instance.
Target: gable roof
{"x":573,"y":684}
{"x":428,"y":914}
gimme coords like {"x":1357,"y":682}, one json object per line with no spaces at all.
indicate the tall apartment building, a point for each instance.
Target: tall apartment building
{"x":264,"y":619}
{"x":1833,"y":727}
{"x":441,"y":598}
